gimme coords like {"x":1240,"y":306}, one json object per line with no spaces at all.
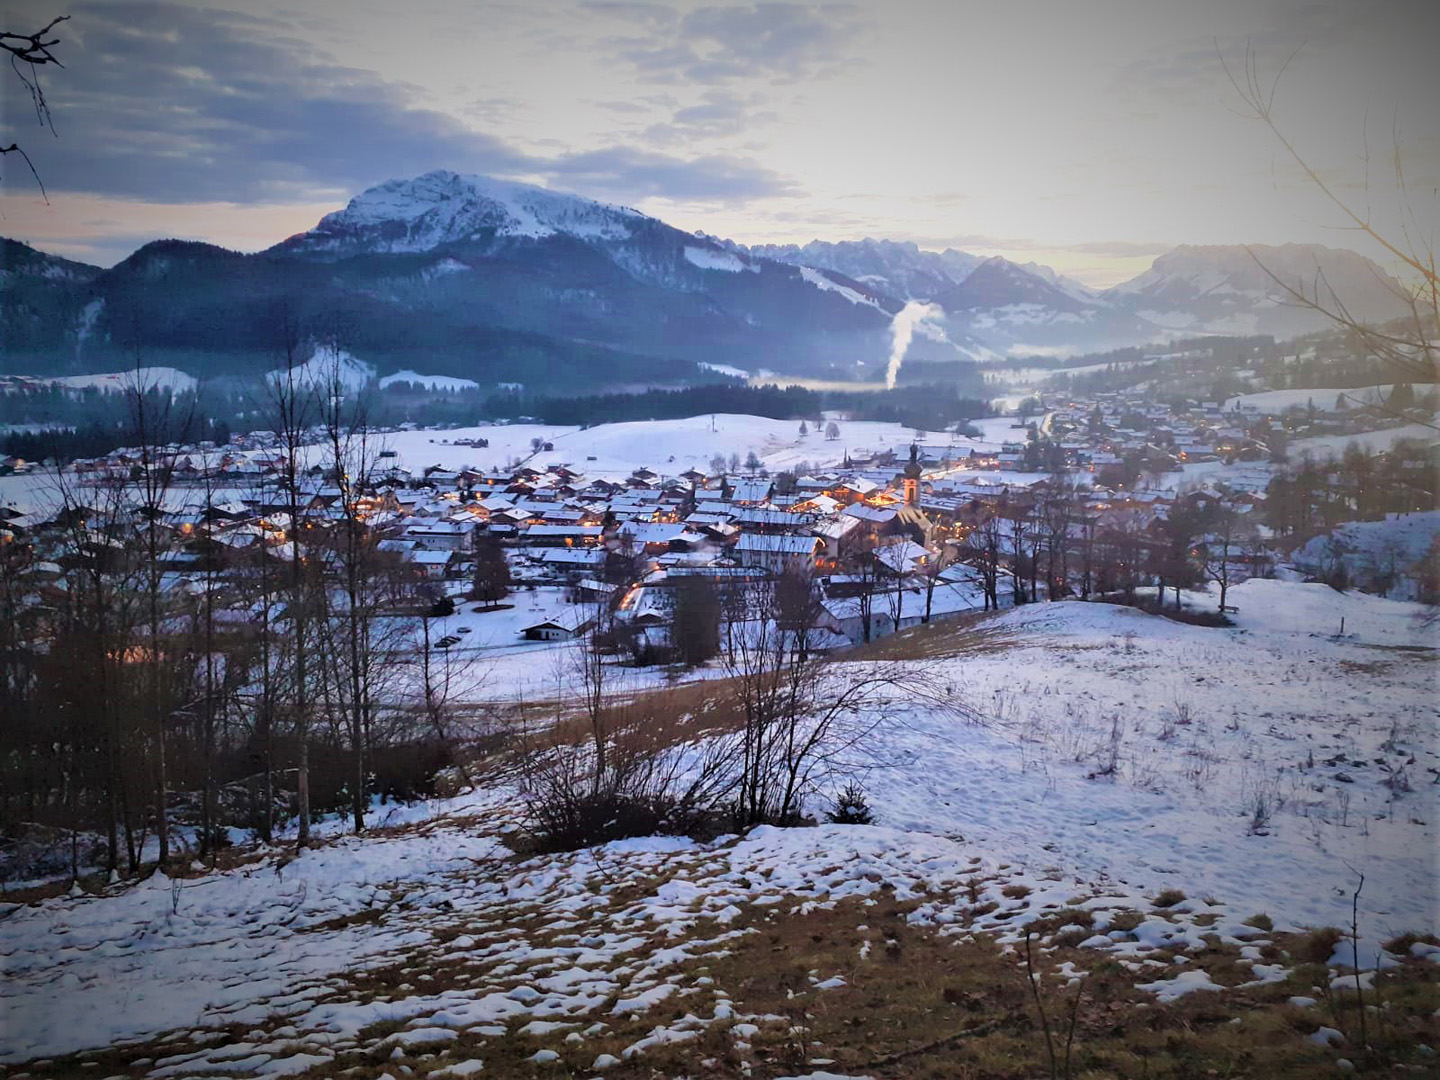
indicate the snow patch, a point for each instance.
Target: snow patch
{"x":709,"y":259}
{"x":432,"y":382}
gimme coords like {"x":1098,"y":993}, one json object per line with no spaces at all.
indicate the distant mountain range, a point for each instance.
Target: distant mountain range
{"x":495,"y":281}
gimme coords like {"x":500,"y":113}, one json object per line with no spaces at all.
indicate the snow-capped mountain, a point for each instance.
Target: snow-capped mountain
{"x":1015,"y":309}
{"x":998,"y":282}
{"x":474,"y":278}
{"x":898,"y":268}
{"x":1231,"y":290}
{"x":1078,"y":289}
{"x":442,"y":207}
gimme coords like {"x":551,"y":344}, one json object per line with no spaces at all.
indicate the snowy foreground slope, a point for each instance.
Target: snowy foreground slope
{"x":1204,"y":727}
{"x":1114,"y":755}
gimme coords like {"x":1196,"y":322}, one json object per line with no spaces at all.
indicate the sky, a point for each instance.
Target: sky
{"x":1090,"y":137}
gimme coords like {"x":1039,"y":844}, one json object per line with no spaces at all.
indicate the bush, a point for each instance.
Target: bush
{"x":639,"y":794}
{"x":851,"y":807}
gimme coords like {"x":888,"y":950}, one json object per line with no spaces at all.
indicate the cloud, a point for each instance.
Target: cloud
{"x":1191,"y":69}
{"x":1117,"y":248}
{"x":1120,"y":249}
{"x":623,"y":173}
{"x":171,"y":104}
{"x":712,"y":45}
{"x":719,"y":114}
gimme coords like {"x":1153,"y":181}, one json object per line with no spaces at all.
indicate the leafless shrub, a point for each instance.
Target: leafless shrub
{"x":1260,"y":811}
{"x":1109,"y":754}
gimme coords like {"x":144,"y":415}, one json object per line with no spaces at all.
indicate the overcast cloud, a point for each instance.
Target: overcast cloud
{"x":1088,"y":136}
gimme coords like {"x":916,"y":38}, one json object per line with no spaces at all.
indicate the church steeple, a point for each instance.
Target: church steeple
{"x":912,"y":477}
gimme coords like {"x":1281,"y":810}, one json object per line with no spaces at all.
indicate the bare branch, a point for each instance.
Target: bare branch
{"x":28,"y":54}
{"x":15,"y":148}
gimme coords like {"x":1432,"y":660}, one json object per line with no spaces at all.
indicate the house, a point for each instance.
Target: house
{"x":563,"y":535}
{"x":655,"y":538}
{"x":853,"y":490}
{"x":835,"y":532}
{"x":751,"y":491}
{"x":757,"y":520}
{"x":561,"y":628}
{"x":777,"y":553}
{"x":901,"y":556}
{"x":432,"y":564}
{"x":440,"y":535}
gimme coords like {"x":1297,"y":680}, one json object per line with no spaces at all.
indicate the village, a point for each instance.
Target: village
{"x":1077,"y":498}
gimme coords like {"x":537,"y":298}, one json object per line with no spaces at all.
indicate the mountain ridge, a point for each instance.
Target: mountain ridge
{"x":480,"y":275}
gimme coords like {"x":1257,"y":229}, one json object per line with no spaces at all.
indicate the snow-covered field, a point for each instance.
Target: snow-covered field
{"x":1203,"y":726}
{"x":1326,"y":400}
{"x":614,"y":451}
{"x":668,"y":447}
{"x":1327,"y":446}
{"x":115,"y":382}
{"x":1114,"y":754}
{"x":491,"y":662}
{"x":433,"y":382}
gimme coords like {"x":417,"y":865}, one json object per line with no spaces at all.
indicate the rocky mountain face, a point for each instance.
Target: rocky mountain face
{"x":897,"y":268}
{"x":445,"y":208}
{"x":496,"y":281}
{"x":1240,"y":290}
{"x":1006,"y":307}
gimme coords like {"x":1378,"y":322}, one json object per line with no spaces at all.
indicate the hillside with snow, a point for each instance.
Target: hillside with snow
{"x":1192,"y":800}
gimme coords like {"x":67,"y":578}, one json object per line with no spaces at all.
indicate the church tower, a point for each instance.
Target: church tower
{"x":912,"y":478}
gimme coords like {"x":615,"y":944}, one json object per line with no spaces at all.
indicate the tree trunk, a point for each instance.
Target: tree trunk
{"x":302,"y":793}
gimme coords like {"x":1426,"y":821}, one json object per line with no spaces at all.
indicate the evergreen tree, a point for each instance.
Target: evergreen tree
{"x":492,"y":572}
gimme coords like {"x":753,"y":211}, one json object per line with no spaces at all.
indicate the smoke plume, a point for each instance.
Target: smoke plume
{"x":902,"y":329}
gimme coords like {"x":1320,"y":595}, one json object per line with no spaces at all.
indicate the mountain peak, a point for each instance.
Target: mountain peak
{"x":998,"y":282}
{"x":1233,"y":288}
{"x":899,"y":268}
{"x":442,"y":207}
{"x":18,"y":259}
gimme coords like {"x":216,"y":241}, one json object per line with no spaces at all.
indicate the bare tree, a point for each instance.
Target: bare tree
{"x":982,"y":550}
{"x":291,"y":403}
{"x":931,"y":574}
{"x":1020,"y":532}
{"x":92,"y":632}
{"x":1412,"y":349}
{"x":866,"y":580}
{"x":801,"y":714}
{"x":1057,"y":506}
{"x":443,"y":681}
{"x":352,"y":452}
{"x":153,"y":429}
{"x":895,"y":598}
{"x":29,"y":55}
{"x":1227,"y":535}
{"x":593,"y":677}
